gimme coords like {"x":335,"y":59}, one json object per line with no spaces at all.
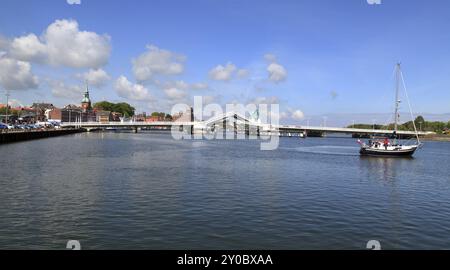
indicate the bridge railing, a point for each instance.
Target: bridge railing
{"x":203,"y":124}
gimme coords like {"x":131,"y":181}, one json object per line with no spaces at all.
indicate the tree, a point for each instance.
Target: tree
{"x":124,"y":108}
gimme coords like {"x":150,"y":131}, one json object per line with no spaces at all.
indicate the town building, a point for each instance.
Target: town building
{"x":116,"y":116}
{"x":40,"y":110}
{"x":103,"y":116}
{"x":86,"y":104}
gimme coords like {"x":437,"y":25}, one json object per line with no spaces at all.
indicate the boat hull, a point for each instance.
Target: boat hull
{"x":387,"y":153}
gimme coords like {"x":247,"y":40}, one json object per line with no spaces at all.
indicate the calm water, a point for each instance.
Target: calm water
{"x":147,"y":191}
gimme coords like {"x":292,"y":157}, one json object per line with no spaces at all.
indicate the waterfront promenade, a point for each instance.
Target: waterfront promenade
{"x":25,"y":135}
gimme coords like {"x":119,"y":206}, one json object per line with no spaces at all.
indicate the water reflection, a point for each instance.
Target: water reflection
{"x":384,"y":168}
{"x":146,"y":190}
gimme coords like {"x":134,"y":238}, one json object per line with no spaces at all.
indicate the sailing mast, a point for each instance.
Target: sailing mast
{"x":397,"y":100}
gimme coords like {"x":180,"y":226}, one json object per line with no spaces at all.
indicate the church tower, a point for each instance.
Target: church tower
{"x":86,"y":102}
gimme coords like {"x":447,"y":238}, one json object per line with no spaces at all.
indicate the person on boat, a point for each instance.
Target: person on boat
{"x":386,"y":143}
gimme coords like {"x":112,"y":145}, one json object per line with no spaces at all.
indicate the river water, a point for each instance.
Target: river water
{"x":148,"y":191}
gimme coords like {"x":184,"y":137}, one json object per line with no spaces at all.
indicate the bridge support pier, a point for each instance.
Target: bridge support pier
{"x":235,"y":127}
{"x":224,"y":128}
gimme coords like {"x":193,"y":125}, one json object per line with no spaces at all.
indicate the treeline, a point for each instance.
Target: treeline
{"x":421,"y":125}
{"x":12,"y":111}
{"x":124,"y":108}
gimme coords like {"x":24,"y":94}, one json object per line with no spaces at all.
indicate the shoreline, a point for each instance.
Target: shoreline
{"x":19,"y":136}
{"x":436,"y":138}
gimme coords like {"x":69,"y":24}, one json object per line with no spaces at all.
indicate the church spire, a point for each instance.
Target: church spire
{"x":86,"y":102}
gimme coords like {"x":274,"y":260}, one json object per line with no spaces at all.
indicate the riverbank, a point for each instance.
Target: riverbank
{"x":437,"y":138}
{"x":17,"y":136}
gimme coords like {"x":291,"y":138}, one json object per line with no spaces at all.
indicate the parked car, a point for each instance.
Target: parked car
{"x":3,"y":126}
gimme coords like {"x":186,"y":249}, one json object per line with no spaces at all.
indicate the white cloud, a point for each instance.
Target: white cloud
{"x":157,"y":61}
{"x":265,"y":100}
{"x":183,"y":85}
{"x":297,"y":115}
{"x":95,"y":77}
{"x":63,"y":44}
{"x":174,"y":93}
{"x":71,"y":92}
{"x":128,"y":90}
{"x":277,"y":72}
{"x":242,"y":73}
{"x":15,"y":103}
{"x":222,"y":73}
{"x":16,"y":75}
{"x":74,"y":2}
{"x":374,"y":2}
{"x":199,"y":86}
{"x":4,"y":44}
{"x":29,"y":48}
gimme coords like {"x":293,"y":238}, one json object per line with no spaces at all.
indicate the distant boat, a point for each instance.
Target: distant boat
{"x":383,"y":146}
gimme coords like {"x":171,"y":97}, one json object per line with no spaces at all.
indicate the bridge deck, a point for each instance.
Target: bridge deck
{"x":200,"y":125}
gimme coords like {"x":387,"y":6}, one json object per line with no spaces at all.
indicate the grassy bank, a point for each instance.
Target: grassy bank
{"x":437,"y":138}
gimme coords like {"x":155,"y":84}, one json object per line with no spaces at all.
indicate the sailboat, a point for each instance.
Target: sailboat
{"x":383,"y":146}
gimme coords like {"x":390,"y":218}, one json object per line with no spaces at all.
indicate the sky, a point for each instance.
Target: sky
{"x":314,"y":58}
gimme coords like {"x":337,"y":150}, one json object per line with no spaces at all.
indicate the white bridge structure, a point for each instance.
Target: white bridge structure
{"x":236,"y":122}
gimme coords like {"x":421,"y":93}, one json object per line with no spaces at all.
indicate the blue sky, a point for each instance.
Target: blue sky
{"x":326,"y":56}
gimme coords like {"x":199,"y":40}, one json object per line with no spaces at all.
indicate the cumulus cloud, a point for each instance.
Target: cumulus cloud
{"x":29,"y":48}
{"x":16,"y":75}
{"x":129,"y":90}
{"x":174,"y":93}
{"x":277,"y":72}
{"x":74,"y":2}
{"x":61,"y":90}
{"x":156,"y":61}
{"x":265,"y":100}
{"x":183,"y":85}
{"x":4,"y":44}
{"x":15,"y":103}
{"x":63,"y":44}
{"x":242,"y":73}
{"x":95,"y":77}
{"x":222,"y":73}
{"x":297,"y":115}
{"x":199,"y":86}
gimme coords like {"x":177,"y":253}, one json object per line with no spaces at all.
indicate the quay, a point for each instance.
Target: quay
{"x":17,"y":136}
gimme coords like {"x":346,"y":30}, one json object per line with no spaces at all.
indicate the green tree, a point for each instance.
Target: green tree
{"x":124,"y":108}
